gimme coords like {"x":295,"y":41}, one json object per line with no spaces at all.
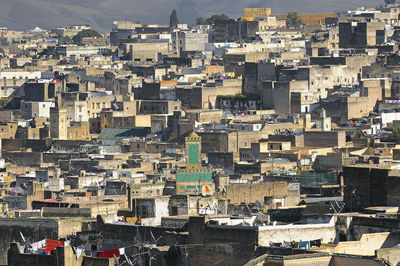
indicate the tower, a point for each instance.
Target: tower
{"x":193,"y":150}
{"x":194,"y":178}
{"x":58,"y":122}
{"x":325,"y":121}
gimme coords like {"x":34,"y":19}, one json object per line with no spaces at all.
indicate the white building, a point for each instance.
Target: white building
{"x":36,"y":109}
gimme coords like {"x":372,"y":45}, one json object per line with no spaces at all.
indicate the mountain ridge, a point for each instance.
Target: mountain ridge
{"x":48,"y":14}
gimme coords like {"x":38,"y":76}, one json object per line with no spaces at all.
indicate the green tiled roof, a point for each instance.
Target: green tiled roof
{"x":123,"y":133}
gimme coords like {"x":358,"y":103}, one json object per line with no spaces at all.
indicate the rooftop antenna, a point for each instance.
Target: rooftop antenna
{"x":22,"y":236}
{"x":128,"y":260}
{"x":333,"y":208}
{"x":259,"y":205}
{"x":247,"y":207}
{"x":154,"y":239}
{"x":116,"y":262}
{"x":339,"y":208}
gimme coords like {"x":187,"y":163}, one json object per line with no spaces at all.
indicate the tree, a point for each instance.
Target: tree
{"x":201,"y":21}
{"x":211,"y":20}
{"x":390,"y":2}
{"x":293,"y":20}
{"x":173,"y":19}
{"x":65,"y":40}
{"x":216,"y":17}
{"x":395,"y":135}
{"x":85,"y":33}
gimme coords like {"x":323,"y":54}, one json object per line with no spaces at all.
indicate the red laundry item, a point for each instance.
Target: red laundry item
{"x":53,"y":244}
{"x":109,"y":253}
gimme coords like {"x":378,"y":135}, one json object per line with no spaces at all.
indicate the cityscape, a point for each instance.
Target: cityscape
{"x":267,"y":138}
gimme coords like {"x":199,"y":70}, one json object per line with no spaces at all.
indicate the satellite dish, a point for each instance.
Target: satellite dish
{"x":258,"y":204}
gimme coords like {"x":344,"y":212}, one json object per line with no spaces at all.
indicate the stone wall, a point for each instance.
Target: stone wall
{"x":32,"y":229}
{"x":300,"y":232}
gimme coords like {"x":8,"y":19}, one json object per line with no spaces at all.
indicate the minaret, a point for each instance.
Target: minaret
{"x":58,"y":121}
{"x":325,"y":121}
{"x":193,"y":150}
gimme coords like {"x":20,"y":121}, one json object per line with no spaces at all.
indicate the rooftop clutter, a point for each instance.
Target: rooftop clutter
{"x":264,"y":139}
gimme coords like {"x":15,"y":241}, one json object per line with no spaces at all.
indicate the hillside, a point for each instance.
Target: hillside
{"x":27,"y":14}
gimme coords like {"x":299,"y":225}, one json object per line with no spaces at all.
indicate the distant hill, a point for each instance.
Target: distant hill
{"x":47,"y":14}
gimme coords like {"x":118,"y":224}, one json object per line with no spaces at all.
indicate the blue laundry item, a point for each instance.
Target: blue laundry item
{"x":304,"y":244}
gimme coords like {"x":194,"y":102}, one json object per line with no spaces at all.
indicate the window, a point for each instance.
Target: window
{"x":104,"y":105}
{"x":98,"y":105}
{"x":76,"y":134}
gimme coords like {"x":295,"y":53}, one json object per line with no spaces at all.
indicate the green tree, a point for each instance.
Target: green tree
{"x":173,"y":19}
{"x":293,"y":20}
{"x":211,"y":20}
{"x":395,"y":135}
{"x":65,"y":40}
{"x":201,"y":21}
{"x":85,"y":33}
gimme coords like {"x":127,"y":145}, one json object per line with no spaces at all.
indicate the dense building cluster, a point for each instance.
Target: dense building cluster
{"x":270,"y":139}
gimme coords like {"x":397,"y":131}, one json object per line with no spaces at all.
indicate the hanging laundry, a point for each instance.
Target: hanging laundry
{"x":122,"y":251}
{"x":39,"y":244}
{"x":53,"y":244}
{"x":108,"y":253}
{"x":79,"y":252}
{"x":304,"y":244}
